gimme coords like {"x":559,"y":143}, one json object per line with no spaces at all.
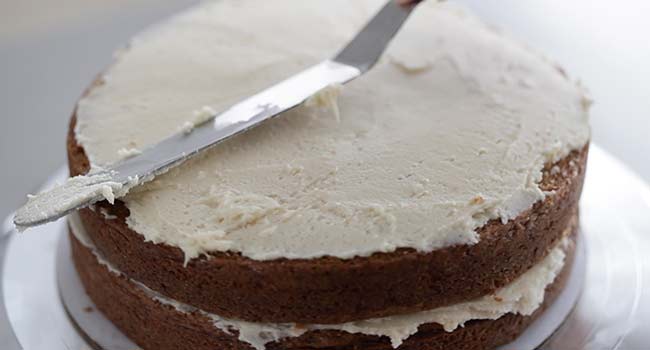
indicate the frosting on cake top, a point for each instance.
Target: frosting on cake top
{"x":451,"y":129}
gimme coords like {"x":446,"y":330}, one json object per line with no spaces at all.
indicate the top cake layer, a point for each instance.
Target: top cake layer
{"x":450,"y":129}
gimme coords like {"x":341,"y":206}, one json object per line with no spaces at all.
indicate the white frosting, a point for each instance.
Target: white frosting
{"x":124,"y":153}
{"x":200,"y":116}
{"x":523,"y":296}
{"x":450,"y":129}
{"x":78,"y":190}
{"x":327,"y":98}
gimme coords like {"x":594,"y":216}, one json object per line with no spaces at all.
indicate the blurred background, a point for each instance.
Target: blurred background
{"x":51,"y":50}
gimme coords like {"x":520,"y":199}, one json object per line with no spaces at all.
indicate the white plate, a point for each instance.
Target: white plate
{"x":610,"y":314}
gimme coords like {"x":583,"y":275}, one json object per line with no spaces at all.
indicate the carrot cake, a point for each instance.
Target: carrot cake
{"x":430,"y":204}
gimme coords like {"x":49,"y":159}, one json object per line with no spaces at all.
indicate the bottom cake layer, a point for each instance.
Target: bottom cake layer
{"x":154,"y":322}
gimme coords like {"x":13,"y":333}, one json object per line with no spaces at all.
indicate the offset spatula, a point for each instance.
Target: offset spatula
{"x":354,"y":60}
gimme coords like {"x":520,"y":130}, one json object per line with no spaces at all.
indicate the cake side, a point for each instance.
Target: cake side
{"x":153,"y":325}
{"x":332,"y":290}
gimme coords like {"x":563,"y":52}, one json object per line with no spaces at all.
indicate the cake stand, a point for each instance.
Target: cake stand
{"x":604,"y":306}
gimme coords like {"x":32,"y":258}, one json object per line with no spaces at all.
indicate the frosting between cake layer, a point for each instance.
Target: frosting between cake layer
{"x":523,"y":296}
{"x":451,"y":129}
